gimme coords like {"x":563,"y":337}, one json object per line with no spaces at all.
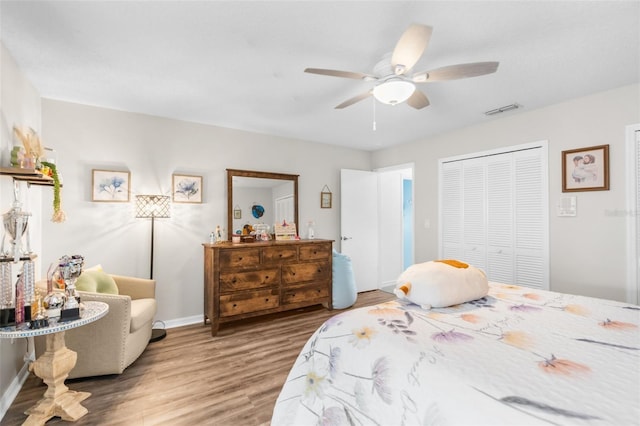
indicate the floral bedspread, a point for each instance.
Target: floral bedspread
{"x":518,"y":356}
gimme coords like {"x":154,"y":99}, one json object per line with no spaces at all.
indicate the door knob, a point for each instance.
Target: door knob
{"x":345,"y":238}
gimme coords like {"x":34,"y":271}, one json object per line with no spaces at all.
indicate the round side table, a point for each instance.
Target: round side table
{"x":54,"y":365}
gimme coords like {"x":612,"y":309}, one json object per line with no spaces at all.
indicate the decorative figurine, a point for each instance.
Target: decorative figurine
{"x":70,"y":269}
{"x":16,"y":229}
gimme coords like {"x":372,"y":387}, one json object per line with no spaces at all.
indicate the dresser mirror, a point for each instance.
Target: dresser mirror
{"x":260,"y":198}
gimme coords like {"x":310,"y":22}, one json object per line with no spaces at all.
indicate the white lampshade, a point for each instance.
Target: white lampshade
{"x":394,"y":91}
{"x":152,"y":206}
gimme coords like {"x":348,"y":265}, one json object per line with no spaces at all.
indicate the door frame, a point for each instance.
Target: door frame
{"x":633,"y":280}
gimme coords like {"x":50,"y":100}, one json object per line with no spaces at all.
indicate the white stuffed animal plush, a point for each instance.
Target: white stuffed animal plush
{"x":441,"y":283}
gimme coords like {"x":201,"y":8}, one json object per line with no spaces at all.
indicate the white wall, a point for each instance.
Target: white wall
{"x":19,"y":106}
{"x":153,"y":148}
{"x":587,"y":253}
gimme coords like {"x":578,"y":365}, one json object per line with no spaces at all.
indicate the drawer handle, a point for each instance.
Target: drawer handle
{"x":266,"y":300}
{"x":280,"y":255}
{"x":233,"y":281}
{"x":240,"y":258}
{"x":266,"y":277}
{"x":235,"y":306}
{"x":319,"y":270}
{"x":293,"y":273}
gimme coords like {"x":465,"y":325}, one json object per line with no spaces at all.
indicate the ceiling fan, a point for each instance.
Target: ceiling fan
{"x":395,"y":86}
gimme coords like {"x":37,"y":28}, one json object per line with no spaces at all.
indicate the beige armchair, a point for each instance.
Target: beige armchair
{"x":112,"y":343}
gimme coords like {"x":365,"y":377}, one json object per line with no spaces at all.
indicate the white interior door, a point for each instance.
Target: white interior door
{"x":637,"y":214}
{"x":284,"y":210}
{"x":390,"y":227}
{"x":633,"y":217}
{"x":359,"y":225}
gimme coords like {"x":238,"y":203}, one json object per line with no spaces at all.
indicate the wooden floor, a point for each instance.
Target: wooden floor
{"x":191,"y":378}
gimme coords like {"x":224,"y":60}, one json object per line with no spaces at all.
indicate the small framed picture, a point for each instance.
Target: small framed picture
{"x":325,"y":200}
{"x":110,"y":186}
{"x":585,"y":169}
{"x":187,"y":189}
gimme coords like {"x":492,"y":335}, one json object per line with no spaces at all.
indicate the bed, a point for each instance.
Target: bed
{"x":517,"y":356}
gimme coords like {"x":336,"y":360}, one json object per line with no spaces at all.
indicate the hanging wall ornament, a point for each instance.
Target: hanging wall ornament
{"x":257,"y":211}
{"x":325,"y":198}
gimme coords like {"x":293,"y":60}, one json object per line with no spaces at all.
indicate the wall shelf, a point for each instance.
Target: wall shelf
{"x":25,"y":257}
{"x":31,"y":176}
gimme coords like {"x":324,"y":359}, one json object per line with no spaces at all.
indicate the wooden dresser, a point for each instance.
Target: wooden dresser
{"x":250,"y":279}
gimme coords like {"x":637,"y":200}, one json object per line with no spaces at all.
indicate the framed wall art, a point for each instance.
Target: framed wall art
{"x":186,"y":189}
{"x":585,"y":169}
{"x":110,"y":186}
{"x":325,"y":198}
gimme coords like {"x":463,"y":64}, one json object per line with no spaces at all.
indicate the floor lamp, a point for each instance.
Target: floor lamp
{"x":153,"y":206}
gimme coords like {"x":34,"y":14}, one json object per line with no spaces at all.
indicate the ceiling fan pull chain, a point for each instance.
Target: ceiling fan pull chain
{"x":374,"y":113}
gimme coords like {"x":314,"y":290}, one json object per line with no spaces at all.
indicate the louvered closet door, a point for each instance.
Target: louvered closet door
{"x":451,"y":210}
{"x":494,"y":214}
{"x":530,"y":220}
{"x":500,"y":258}
{"x":473,"y":212}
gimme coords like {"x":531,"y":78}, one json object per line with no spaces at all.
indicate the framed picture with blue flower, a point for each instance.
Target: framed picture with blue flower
{"x":187,"y":189}
{"x":110,"y":186}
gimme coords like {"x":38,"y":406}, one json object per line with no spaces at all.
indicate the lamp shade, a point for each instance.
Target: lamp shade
{"x":394,"y":91}
{"x":152,"y":206}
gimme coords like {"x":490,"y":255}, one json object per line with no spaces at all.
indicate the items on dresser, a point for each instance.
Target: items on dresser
{"x":248,"y":280}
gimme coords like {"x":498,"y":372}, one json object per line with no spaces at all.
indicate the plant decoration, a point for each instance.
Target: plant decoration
{"x":33,"y":150}
{"x":58,"y":214}
{"x":30,"y":158}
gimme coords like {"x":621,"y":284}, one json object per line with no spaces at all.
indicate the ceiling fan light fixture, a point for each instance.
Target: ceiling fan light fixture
{"x":393,"y":92}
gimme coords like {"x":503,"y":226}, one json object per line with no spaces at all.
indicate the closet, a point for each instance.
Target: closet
{"x":493,"y":211}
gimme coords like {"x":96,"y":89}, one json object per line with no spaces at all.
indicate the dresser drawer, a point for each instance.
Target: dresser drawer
{"x":304,"y":294}
{"x":239,"y":258}
{"x":315,"y":252}
{"x":279,"y":254}
{"x":312,"y":271}
{"x":242,"y":303}
{"x":248,"y":280}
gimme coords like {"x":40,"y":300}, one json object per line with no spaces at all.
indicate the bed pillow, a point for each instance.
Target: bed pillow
{"x":441,"y":283}
{"x":95,"y":280}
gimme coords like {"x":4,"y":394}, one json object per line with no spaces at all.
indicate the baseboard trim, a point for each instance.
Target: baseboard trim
{"x":179,"y":322}
{"x":13,"y":390}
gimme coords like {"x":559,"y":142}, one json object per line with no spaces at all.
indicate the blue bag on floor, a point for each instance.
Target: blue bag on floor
{"x":344,"y":283}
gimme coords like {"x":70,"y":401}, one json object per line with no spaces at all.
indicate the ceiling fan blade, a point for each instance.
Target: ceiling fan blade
{"x":355,"y":99}
{"x":410,"y":47}
{"x":418,"y":100}
{"x":344,"y":74}
{"x":454,"y":72}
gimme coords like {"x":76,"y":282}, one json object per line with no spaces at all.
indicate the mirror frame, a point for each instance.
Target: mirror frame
{"x":231,"y":173}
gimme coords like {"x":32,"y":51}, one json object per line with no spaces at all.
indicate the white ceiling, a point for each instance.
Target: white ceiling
{"x":240,"y":64}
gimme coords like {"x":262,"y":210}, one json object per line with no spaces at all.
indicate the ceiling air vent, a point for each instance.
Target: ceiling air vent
{"x":502,"y":109}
